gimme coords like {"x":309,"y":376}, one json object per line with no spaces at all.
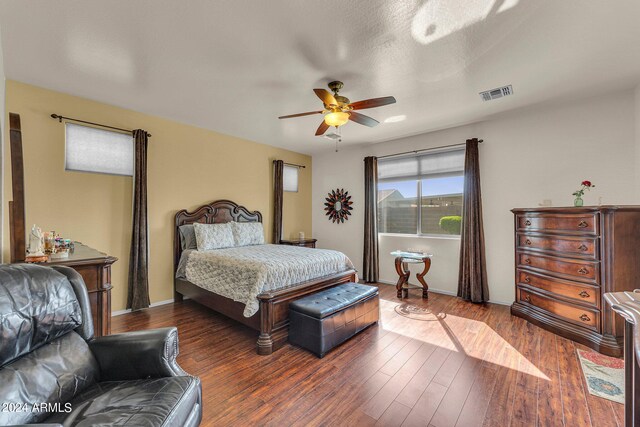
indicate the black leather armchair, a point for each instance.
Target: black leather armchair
{"x":53,"y":371}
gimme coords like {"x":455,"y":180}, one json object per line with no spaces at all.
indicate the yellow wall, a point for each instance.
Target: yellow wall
{"x":187,"y":167}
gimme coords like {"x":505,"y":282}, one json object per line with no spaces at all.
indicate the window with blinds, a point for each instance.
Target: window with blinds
{"x":89,"y":149}
{"x":290,"y":178}
{"x":421,"y":194}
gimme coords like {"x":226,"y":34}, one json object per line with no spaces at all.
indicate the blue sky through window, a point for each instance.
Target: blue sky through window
{"x":430,"y":186}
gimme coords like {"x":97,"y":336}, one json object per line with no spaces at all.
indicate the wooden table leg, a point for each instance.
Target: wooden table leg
{"x":403,"y":277}
{"x":420,"y":277}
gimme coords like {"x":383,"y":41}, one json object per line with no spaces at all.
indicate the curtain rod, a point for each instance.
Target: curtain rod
{"x":292,"y":164}
{"x":425,"y":149}
{"x":61,"y":118}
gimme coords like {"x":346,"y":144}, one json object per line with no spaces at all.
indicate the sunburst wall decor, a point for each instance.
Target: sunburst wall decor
{"x":338,"y":205}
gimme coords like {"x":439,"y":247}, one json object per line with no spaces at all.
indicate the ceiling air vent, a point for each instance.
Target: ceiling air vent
{"x":496,"y":93}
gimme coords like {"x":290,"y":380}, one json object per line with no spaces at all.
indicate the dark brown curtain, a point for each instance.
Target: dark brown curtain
{"x":472,"y":278}
{"x":370,"y":269}
{"x":278,"y":167}
{"x":138,"y":295}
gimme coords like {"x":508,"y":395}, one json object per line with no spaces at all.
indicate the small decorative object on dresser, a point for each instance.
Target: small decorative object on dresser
{"x":36,"y":246}
{"x":309,"y":243}
{"x":566,"y":259}
{"x":338,"y":205}
{"x":586,"y":185}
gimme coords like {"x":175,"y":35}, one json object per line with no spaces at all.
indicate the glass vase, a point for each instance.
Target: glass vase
{"x":578,"y":202}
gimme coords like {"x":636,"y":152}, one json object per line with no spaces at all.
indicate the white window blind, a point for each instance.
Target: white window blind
{"x":89,"y":149}
{"x":290,"y":178}
{"x":419,"y":166}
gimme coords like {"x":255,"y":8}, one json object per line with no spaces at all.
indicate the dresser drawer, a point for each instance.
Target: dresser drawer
{"x":570,"y":290}
{"x":589,"y":318}
{"x":585,"y":271}
{"x":568,"y":223}
{"x":584,"y":247}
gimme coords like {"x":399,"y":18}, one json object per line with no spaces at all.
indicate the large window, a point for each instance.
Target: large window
{"x":421,"y":194}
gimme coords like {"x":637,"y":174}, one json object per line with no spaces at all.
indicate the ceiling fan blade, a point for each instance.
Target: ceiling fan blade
{"x":322,"y":128}
{"x":373,"y":102}
{"x":326,"y":97}
{"x":300,"y":114}
{"x":362,"y":119}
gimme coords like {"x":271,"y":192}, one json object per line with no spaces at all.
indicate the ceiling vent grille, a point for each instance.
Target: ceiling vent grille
{"x":496,"y":93}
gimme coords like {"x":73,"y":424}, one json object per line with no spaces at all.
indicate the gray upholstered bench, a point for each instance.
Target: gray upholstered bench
{"x":326,"y":319}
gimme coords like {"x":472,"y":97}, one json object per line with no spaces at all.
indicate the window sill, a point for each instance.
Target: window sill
{"x":420,"y":236}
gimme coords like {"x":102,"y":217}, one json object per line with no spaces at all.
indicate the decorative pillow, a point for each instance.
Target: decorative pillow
{"x":213,"y":236}
{"x":187,"y":237}
{"x":247,"y":233}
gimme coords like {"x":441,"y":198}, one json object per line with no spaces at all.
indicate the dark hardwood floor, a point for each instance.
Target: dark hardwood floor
{"x":467,"y":365}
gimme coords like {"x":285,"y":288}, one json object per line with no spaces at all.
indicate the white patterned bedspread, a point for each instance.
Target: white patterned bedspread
{"x":244,"y":272}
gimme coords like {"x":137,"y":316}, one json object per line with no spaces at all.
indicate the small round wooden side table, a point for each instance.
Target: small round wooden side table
{"x":403,"y":259}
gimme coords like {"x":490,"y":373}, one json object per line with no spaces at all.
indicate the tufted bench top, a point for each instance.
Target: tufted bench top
{"x":332,"y":300}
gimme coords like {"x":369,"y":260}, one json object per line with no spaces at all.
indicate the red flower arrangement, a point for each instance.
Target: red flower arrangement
{"x":586,"y":185}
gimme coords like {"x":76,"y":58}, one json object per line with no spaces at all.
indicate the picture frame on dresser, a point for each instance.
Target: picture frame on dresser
{"x":566,"y":259}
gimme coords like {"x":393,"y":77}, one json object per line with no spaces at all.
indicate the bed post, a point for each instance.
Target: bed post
{"x":265,"y":341}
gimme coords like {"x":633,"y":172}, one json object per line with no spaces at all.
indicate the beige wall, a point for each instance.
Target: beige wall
{"x":187,"y":167}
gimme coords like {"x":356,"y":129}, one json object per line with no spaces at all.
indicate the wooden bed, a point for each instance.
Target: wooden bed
{"x":272,"y":319}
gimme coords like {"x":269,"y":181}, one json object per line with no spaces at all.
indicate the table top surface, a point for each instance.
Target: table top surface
{"x":299,"y":240}
{"x":80,"y":253}
{"x":411,"y":255}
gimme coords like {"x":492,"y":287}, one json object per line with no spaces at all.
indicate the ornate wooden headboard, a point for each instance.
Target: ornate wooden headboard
{"x":220,"y":211}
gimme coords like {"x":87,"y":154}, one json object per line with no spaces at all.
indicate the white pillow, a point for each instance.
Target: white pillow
{"x":247,"y":233}
{"x":213,"y":236}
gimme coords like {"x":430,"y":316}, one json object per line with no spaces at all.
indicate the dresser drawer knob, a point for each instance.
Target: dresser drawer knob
{"x":584,"y":294}
{"x":585,"y":318}
{"x":527,"y":279}
{"x":583,"y":247}
{"x":527,"y":298}
{"x":583,"y":271}
{"x":527,"y":223}
{"x":527,"y":261}
{"x":528,"y":242}
{"x":583,"y":224}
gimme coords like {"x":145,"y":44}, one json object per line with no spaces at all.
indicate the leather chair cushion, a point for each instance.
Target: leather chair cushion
{"x":38,"y":305}
{"x":52,"y":374}
{"x":329,"y":301}
{"x":169,"y":401}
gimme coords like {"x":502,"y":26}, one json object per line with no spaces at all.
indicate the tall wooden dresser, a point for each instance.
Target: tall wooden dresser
{"x":566,"y":259}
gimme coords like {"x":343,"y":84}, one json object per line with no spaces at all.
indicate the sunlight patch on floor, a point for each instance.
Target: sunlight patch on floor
{"x":455,"y":333}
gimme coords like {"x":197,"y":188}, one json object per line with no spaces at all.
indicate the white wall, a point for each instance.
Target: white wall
{"x":528,"y":155}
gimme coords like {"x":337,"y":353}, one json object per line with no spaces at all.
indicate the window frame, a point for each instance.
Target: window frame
{"x":419,"y":233}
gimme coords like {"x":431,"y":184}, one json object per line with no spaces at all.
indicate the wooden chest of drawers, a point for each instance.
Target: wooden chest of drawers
{"x":566,"y":259}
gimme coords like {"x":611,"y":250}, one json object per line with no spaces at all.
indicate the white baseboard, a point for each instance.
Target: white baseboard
{"x":128,"y":310}
{"x":445,"y":292}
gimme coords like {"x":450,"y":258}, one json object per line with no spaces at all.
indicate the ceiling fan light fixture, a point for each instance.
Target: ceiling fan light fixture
{"x":336,"y":118}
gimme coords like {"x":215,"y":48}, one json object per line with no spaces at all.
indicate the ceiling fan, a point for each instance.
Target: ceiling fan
{"x":338,"y":110}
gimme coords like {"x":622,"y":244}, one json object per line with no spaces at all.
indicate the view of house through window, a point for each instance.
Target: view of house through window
{"x":432,"y":182}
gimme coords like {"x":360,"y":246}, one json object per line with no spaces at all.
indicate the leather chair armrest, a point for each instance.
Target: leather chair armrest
{"x":138,"y":355}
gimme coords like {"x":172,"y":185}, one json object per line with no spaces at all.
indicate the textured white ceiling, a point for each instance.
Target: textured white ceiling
{"x":234,"y":66}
